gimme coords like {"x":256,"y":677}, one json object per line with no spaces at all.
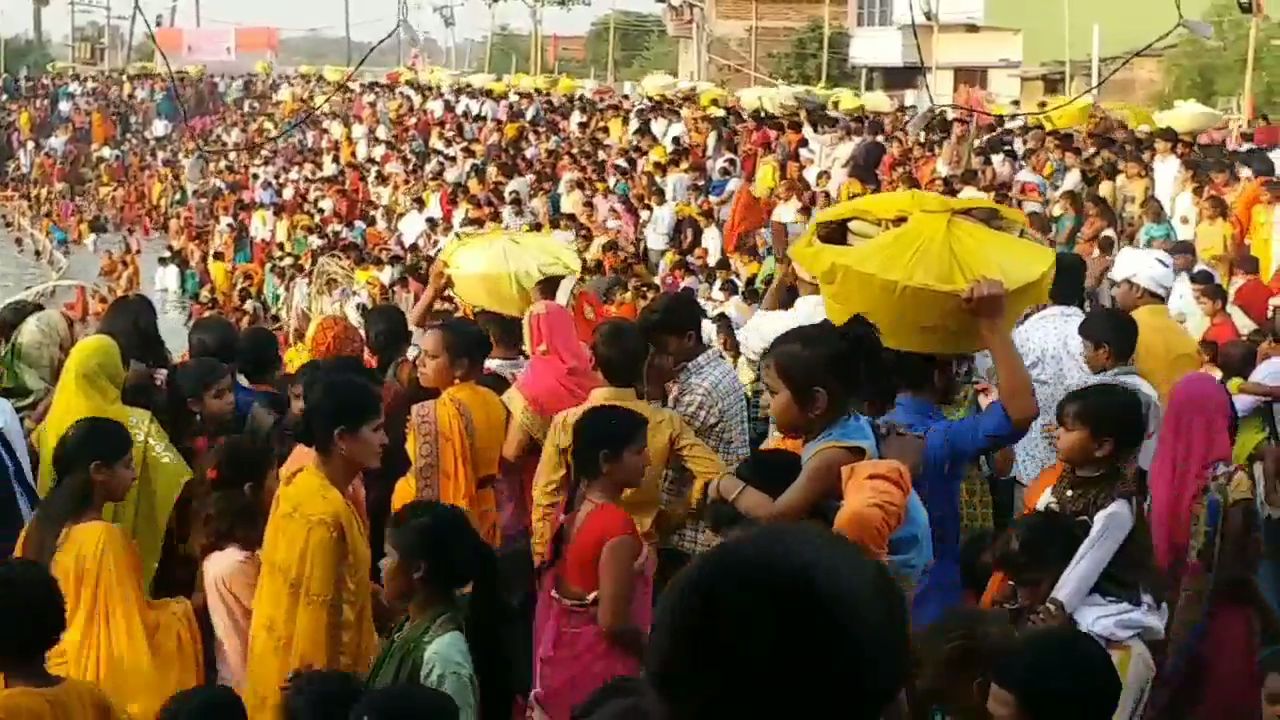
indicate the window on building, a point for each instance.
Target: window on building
{"x":971,"y":77}
{"x":874,"y":13}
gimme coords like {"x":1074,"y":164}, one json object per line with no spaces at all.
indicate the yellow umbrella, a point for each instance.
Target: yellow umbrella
{"x":497,"y":270}
{"x":908,"y":279}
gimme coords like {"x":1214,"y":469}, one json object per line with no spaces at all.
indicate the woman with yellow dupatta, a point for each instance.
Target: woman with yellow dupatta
{"x":90,"y":386}
{"x":313,"y":607}
{"x":138,"y":651}
{"x":455,"y":441}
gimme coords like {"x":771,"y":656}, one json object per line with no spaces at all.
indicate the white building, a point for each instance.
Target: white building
{"x":970,"y":50}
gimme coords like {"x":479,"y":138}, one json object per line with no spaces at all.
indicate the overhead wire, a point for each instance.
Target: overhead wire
{"x":915,"y":32}
{"x":290,"y":126}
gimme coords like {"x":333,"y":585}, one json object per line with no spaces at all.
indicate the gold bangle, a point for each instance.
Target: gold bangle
{"x":737,"y":492}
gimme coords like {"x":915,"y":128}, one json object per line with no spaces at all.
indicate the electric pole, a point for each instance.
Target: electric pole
{"x":446,"y":16}
{"x":346,"y":21}
{"x":128,"y":50}
{"x":613,"y":34}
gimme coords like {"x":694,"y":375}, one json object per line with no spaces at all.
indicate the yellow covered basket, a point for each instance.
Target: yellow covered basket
{"x":911,"y":254}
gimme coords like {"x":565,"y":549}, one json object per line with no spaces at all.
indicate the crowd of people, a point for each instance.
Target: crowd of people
{"x":672,"y":488}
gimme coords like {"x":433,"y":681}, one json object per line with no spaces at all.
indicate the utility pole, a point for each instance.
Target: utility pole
{"x":197,"y":13}
{"x":613,"y":33}
{"x":173,"y":12}
{"x":755,"y":34}
{"x":826,"y":40}
{"x":71,"y":38}
{"x":1066,"y":48}
{"x":934,"y":42}
{"x":1255,"y":20}
{"x":1095,"y":63}
{"x":446,"y":16}
{"x":106,"y":38}
{"x":128,"y":50}
{"x":488,"y":43}
{"x":346,"y":22}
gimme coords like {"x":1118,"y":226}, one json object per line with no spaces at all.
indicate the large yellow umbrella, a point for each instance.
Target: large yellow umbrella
{"x":497,"y":270}
{"x":908,"y":278}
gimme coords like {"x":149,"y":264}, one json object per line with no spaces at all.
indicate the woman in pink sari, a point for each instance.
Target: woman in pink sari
{"x":595,"y":603}
{"x":1204,"y":529}
{"x":559,"y":376}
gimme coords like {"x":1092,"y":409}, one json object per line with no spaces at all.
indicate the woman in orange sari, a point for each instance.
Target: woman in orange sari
{"x":313,"y":606}
{"x":455,"y":440}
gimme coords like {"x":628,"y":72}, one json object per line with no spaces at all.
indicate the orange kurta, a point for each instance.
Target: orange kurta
{"x":313,"y":607}
{"x":138,"y":651}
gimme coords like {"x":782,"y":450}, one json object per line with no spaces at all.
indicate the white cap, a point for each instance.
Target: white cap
{"x":1147,"y":268}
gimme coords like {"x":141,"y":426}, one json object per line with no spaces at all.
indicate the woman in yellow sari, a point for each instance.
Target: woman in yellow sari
{"x":90,"y":386}
{"x":313,"y":607}
{"x":455,"y":441}
{"x":138,"y":651}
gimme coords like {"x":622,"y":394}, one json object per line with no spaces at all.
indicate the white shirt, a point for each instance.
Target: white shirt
{"x":411,"y":227}
{"x":765,"y":326}
{"x":1184,"y":206}
{"x":1267,"y":373}
{"x":1050,"y":345}
{"x":1165,"y":170}
{"x":657,"y":233}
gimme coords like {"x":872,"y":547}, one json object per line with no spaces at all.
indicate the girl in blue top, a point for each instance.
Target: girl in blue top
{"x":1156,"y":231}
{"x":823,"y":382}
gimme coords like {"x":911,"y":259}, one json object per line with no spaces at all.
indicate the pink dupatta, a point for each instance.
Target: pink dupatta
{"x":1194,"y":436}
{"x":559,"y":374}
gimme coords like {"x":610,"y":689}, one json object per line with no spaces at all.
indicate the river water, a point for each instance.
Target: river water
{"x":20,"y":271}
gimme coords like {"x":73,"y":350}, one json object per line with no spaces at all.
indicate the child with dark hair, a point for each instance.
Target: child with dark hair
{"x":1107,"y":589}
{"x":506,"y":335}
{"x":202,"y":406}
{"x":321,"y":695}
{"x":207,"y":702}
{"x":31,"y":600}
{"x":258,"y":364}
{"x":844,"y":615}
{"x":1110,"y":338}
{"x":1054,"y":674}
{"x":242,"y":479}
{"x":1213,"y":302}
{"x":954,"y":660}
{"x":1032,"y":555}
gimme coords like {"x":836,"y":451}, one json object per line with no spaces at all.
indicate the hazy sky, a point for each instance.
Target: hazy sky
{"x":370,"y":19}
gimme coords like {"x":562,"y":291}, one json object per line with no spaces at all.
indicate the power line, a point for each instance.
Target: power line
{"x":915,"y":33}
{"x":289,"y":126}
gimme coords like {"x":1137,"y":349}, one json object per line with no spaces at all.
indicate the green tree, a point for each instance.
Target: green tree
{"x":507,"y":45}
{"x":633,"y":34}
{"x":660,"y":55}
{"x":22,"y":53}
{"x":801,"y":62}
{"x":1209,"y":70}
{"x":536,"y":8}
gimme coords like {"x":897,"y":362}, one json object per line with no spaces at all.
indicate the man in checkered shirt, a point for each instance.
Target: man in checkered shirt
{"x":702,"y":387}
